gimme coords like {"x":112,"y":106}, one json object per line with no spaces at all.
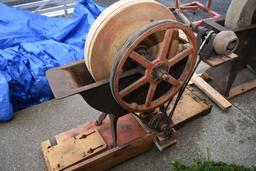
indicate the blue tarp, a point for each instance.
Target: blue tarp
{"x":30,"y":44}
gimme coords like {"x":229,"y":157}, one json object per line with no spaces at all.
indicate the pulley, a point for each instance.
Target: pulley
{"x":160,"y":73}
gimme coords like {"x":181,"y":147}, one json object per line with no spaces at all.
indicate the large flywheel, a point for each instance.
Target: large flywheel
{"x":161,"y":72}
{"x":113,"y":27}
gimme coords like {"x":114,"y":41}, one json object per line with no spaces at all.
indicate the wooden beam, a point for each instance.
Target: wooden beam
{"x":242,"y":88}
{"x":133,"y":139}
{"x":215,"y":96}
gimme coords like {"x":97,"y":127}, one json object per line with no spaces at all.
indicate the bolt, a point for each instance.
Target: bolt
{"x":165,"y":77}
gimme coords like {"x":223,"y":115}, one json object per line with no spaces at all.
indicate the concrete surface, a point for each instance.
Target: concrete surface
{"x":231,"y":136}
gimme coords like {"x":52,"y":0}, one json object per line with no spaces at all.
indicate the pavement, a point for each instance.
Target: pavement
{"x":230,"y":136}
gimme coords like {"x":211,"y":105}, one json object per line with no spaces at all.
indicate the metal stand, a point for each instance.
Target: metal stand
{"x":224,"y":75}
{"x":193,"y":6}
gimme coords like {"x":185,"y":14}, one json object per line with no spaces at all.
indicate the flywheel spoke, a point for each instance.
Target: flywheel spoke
{"x":177,"y":58}
{"x":133,"y":86}
{"x":151,"y":93}
{"x":140,"y":59}
{"x":166,"y":44}
{"x":173,"y":81}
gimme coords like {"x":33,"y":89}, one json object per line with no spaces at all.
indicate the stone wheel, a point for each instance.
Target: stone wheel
{"x":241,"y":13}
{"x":113,"y":27}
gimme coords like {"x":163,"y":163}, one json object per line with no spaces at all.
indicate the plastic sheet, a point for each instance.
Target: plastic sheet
{"x":30,"y":44}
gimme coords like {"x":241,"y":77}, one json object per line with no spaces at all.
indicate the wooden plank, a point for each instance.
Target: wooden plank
{"x":45,"y":145}
{"x":219,"y":59}
{"x":132,"y":138}
{"x":75,"y":149}
{"x":215,"y":96}
{"x":115,"y":156}
{"x":242,"y":88}
{"x":190,"y":106}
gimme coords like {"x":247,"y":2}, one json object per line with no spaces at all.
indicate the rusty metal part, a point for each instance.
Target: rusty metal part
{"x":222,"y":42}
{"x":113,"y":27}
{"x":240,"y":18}
{"x":224,"y":75}
{"x":193,"y":6}
{"x":160,"y":78}
{"x":76,"y":79}
{"x":225,"y":42}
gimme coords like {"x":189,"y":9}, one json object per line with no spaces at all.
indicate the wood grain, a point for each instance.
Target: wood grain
{"x":215,"y":96}
{"x":133,"y":138}
{"x":242,"y":88}
{"x":214,"y":61}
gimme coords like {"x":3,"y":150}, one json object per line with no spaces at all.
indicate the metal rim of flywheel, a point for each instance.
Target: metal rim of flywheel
{"x":157,"y":70}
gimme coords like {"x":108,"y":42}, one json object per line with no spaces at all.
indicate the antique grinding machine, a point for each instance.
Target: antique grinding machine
{"x":136,"y":62}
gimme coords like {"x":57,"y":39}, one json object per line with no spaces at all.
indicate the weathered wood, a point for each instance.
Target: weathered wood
{"x":191,"y":105}
{"x":132,"y":140}
{"x":241,"y":89}
{"x":223,"y":103}
{"x":75,"y":149}
{"x":44,"y":146}
{"x":220,"y":59}
{"x":117,"y":155}
{"x":163,"y":143}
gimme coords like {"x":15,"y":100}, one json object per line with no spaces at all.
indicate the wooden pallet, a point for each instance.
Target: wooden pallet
{"x":88,"y":147}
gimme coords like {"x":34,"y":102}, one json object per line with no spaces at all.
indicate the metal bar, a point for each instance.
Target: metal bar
{"x":177,"y":4}
{"x":65,"y":8}
{"x":34,"y":4}
{"x":59,"y":7}
{"x":43,"y":5}
{"x":58,"y":13}
{"x":182,"y":16}
{"x":195,"y":5}
{"x":209,"y":4}
{"x":56,"y":9}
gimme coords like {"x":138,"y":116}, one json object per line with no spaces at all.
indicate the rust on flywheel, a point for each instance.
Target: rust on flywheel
{"x":113,"y":27}
{"x":161,"y":73}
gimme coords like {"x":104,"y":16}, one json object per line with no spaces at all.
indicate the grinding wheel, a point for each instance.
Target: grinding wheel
{"x":113,"y":27}
{"x":241,"y":13}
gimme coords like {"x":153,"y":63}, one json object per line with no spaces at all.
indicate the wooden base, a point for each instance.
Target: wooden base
{"x":133,"y":139}
{"x":163,"y":143}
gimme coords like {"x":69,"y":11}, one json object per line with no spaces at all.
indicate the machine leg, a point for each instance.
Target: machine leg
{"x":223,"y":77}
{"x":100,"y":119}
{"x":113,"y":122}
